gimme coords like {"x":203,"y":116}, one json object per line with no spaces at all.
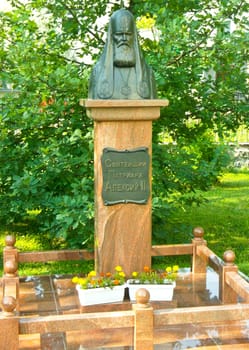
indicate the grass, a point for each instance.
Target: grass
{"x":27,"y":239}
{"x":224,"y":217}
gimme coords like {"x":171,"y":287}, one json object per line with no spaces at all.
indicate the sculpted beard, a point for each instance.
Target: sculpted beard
{"x":124,"y":56}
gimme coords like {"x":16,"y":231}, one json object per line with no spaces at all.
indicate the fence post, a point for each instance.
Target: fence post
{"x":144,"y":323}
{"x":227,"y":294}
{"x":10,"y":266}
{"x":9,"y":325}
{"x":199,"y":265}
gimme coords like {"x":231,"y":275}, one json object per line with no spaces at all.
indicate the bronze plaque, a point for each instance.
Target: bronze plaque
{"x":125,"y":176}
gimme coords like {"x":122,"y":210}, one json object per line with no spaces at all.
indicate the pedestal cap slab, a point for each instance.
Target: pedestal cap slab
{"x":108,"y":110}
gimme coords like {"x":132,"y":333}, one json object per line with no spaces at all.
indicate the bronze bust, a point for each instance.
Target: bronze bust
{"x":121,"y":72}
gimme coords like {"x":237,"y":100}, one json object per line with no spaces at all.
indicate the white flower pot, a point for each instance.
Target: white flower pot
{"x":158,"y":292}
{"x":100,"y":295}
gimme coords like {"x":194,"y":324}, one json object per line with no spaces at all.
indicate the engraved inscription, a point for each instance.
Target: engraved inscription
{"x":125,"y":176}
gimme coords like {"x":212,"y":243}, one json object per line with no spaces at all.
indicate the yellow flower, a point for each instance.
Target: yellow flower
{"x":118,"y":268}
{"x":149,"y":275}
{"x":121,"y":274}
{"x":82,"y":281}
{"x":75,"y":279}
{"x":92,"y":274}
{"x":175,"y":268}
{"x":98,"y":280}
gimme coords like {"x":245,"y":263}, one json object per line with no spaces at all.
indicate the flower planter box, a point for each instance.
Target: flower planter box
{"x":158,"y":292}
{"x":100,"y":295}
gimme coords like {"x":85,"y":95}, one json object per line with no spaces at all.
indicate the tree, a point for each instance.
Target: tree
{"x":201,"y":61}
{"x":201,"y":64}
{"x":47,"y":48}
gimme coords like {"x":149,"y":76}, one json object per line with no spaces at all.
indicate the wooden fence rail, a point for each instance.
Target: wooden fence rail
{"x":212,"y":259}
{"x":55,"y":255}
{"x":76,"y":322}
{"x":172,"y":249}
{"x":201,"y":314}
{"x":238,"y":284}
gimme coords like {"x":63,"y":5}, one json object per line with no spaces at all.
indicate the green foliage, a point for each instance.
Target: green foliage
{"x":46,"y":137}
{"x":199,"y":70}
{"x":194,"y":44}
{"x":181,"y":175}
{"x":224,"y":217}
{"x":47,"y":48}
{"x":27,"y":239}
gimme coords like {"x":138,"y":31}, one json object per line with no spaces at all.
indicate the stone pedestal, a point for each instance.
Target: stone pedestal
{"x":122,"y":230}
